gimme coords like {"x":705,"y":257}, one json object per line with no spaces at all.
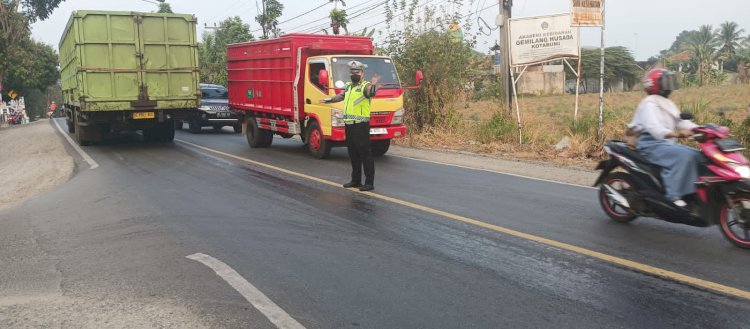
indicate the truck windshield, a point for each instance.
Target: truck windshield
{"x":380,"y":66}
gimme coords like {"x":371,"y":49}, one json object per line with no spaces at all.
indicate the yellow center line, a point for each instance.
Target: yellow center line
{"x":562,"y":245}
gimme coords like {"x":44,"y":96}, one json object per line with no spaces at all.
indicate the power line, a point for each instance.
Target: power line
{"x":300,"y":27}
{"x":354,"y":14}
{"x":300,"y":15}
{"x":226,"y":13}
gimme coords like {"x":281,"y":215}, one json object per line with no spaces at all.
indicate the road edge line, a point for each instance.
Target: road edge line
{"x":86,"y":157}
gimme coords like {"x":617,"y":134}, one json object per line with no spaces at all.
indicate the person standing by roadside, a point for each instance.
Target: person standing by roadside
{"x":357,"y":97}
{"x":52,"y":109}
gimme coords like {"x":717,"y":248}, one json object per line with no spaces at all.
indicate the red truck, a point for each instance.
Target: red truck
{"x":276,"y":85}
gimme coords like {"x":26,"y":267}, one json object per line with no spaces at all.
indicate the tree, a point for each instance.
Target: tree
{"x":15,"y":17}
{"x":165,"y":8}
{"x":212,"y":50}
{"x":681,"y":40}
{"x":268,"y":19}
{"x":619,"y":65}
{"x":338,"y":17}
{"x":729,"y":36}
{"x":444,"y":64}
{"x":338,"y":20}
{"x":702,"y":46}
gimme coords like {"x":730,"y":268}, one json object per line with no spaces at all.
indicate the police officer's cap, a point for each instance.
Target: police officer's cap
{"x":357,"y":65}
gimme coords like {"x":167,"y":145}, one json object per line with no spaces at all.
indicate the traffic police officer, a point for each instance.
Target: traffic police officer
{"x":357,"y":97}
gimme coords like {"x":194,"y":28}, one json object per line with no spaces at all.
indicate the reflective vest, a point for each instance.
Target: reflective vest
{"x":357,"y":106}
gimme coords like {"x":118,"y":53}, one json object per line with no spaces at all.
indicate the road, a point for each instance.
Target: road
{"x":426,"y":250}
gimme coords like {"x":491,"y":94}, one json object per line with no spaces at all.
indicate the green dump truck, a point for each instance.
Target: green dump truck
{"x":128,"y":71}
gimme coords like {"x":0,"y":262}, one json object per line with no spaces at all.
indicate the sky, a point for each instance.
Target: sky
{"x":643,"y":26}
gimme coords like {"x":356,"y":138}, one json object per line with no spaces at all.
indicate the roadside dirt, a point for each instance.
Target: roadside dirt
{"x":32,"y":160}
{"x":570,"y":174}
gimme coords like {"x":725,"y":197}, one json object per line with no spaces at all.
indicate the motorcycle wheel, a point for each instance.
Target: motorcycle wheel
{"x":736,"y":230}
{"x":619,"y":181}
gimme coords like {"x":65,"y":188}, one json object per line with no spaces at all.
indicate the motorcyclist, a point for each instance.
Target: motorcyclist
{"x":658,"y":122}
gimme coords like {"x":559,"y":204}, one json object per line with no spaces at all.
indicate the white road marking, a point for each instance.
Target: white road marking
{"x":492,"y":171}
{"x":273,"y":312}
{"x":84,"y":155}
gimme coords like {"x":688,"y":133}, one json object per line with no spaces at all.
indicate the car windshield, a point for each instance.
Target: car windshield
{"x":214,"y":93}
{"x":375,"y":65}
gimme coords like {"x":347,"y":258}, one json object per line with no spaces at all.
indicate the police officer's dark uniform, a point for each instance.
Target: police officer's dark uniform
{"x":357,"y":98}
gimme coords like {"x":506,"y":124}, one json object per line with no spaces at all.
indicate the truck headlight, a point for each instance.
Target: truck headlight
{"x":337,"y":118}
{"x":398,"y":117}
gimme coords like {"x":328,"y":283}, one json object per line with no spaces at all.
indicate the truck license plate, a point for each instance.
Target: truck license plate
{"x":378,"y":131}
{"x":144,"y":115}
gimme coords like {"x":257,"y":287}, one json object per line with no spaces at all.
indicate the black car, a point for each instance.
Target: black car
{"x":214,"y":111}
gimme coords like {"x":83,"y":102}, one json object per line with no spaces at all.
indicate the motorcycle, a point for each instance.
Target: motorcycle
{"x":722,"y":190}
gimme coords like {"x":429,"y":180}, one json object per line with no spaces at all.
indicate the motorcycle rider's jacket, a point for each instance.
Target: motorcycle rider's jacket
{"x":658,"y":116}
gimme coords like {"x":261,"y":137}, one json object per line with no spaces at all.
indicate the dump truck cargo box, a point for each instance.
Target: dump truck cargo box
{"x":127,"y":61}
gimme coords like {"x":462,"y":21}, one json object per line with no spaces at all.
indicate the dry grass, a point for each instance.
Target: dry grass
{"x":487,"y":128}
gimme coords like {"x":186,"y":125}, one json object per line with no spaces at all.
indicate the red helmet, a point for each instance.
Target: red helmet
{"x":660,"y":82}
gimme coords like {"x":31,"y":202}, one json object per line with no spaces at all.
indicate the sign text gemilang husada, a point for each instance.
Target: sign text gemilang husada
{"x":548,"y":39}
{"x":543,"y":38}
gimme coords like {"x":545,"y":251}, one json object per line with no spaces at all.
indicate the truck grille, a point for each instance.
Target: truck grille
{"x":380,"y":118}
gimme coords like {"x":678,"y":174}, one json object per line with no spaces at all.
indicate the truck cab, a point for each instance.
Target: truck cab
{"x":327,"y":76}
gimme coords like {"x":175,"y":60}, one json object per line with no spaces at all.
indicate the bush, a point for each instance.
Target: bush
{"x":500,"y":126}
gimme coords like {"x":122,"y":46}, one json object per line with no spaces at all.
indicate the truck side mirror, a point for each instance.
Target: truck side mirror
{"x":323,"y":78}
{"x":419,"y":77}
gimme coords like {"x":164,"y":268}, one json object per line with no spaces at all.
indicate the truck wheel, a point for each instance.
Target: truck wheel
{"x":194,"y":125}
{"x":178,"y":124}
{"x":71,"y":126}
{"x":319,"y":147}
{"x":253,"y":138}
{"x":380,"y":147}
{"x":80,"y":132}
{"x":166,"y":131}
{"x":237,"y":128}
{"x":267,"y":137}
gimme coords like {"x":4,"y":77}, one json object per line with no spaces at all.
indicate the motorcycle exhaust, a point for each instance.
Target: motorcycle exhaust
{"x":616,"y":196}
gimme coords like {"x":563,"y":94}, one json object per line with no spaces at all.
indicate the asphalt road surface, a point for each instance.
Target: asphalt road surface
{"x":328,"y":257}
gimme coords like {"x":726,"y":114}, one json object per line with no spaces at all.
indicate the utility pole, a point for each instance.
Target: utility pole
{"x":501,"y":21}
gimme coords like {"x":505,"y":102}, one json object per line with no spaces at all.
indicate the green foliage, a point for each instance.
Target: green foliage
{"x":585,"y":126}
{"x":212,"y":50}
{"x":680,"y":42}
{"x":269,"y":18}
{"x":165,"y":8}
{"x":338,"y":19}
{"x":15,"y":17}
{"x":729,"y":36}
{"x":619,"y":65}
{"x":702,"y":46}
{"x":444,"y":65}
{"x":743,"y":132}
{"x":36,"y":104}
{"x":500,"y":126}
{"x":34,"y":66}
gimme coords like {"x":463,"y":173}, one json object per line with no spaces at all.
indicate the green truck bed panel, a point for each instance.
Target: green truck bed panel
{"x":125,"y":60}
